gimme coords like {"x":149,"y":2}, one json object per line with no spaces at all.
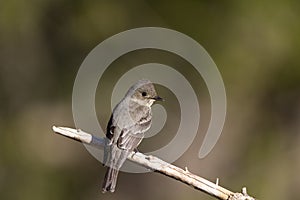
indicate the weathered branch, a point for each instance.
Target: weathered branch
{"x":160,"y":166}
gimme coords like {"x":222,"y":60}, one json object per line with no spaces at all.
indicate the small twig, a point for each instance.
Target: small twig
{"x":160,"y":166}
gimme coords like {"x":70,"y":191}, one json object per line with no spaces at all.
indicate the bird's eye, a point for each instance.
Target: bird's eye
{"x":144,"y":94}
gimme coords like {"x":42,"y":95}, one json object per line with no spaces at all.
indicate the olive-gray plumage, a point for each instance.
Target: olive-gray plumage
{"x":130,"y":119}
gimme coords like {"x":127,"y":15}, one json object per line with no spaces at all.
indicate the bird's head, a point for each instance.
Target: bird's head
{"x":143,"y":92}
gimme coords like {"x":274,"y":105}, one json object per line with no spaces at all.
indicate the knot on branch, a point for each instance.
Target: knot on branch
{"x":241,"y":196}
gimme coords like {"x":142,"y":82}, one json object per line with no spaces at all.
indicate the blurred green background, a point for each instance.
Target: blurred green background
{"x":255,"y":44}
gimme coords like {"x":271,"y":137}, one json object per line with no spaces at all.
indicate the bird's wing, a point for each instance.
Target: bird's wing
{"x":124,"y":136}
{"x":131,"y":137}
{"x":114,"y":156}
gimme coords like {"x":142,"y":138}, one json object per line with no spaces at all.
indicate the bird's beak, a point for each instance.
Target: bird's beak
{"x":157,"y":98}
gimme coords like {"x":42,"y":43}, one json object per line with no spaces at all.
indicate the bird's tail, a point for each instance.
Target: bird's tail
{"x":110,"y":180}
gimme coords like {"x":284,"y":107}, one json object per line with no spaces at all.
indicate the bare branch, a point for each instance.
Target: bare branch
{"x":158,"y":165}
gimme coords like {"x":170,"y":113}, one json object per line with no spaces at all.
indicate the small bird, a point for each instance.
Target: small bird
{"x":130,"y":119}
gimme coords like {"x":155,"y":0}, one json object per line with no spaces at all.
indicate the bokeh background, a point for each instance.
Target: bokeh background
{"x":255,"y":45}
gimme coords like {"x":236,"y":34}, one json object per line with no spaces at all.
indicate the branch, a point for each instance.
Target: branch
{"x":160,"y":166}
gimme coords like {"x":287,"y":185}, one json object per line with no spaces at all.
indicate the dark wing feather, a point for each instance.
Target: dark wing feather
{"x":108,"y":140}
{"x":110,"y":128}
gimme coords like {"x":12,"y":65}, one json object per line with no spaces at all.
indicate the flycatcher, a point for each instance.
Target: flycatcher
{"x":130,"y":119}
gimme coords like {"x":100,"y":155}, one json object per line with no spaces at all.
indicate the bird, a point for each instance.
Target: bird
{"x":129,"y":121}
